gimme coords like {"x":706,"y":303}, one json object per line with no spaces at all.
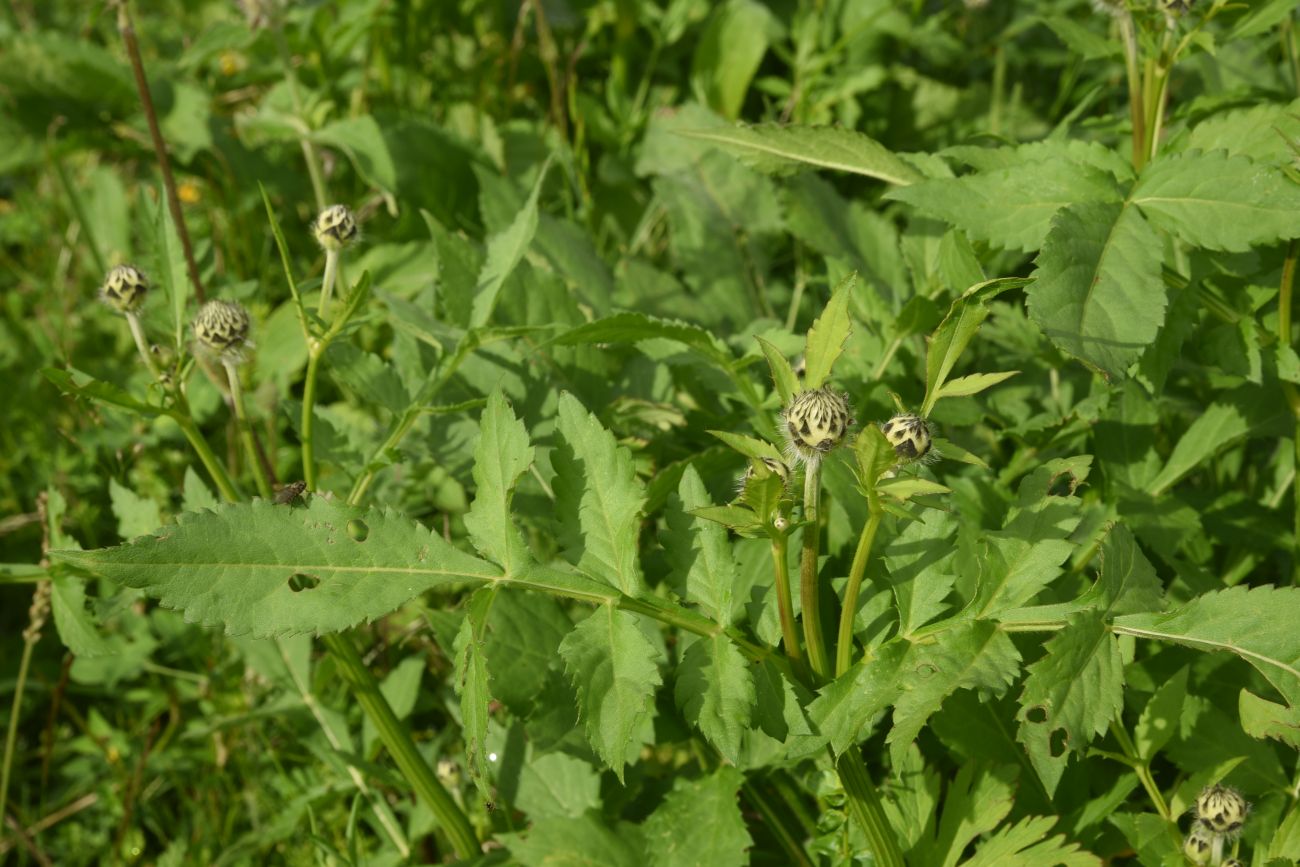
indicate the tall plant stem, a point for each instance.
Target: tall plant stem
{"x":1286,"y":291}
{"x":844,"y":642}
{"x":142,"y":344}
{"x":327,"y":282}
{"x":398,"y":742}
{"x":127,"y":29}
{"x":308,"y":423}
{"x":864,"y":804}
{"x":1136,"y":108}
{"x":785,"y":603}
{"x":809,"y":591}
{"x":210,"y":461}
{"x":245,"y":429}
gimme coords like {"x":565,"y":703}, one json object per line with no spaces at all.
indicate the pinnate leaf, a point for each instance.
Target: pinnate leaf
{"x":612,"y":667}
{"x":1026,"y":844}
{"x":238,"y":566}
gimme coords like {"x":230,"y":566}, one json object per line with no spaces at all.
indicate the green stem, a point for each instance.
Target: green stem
{"x":844,"y":645}
{"x":397,"y":740}
{"x":794,"y":852}
{"x":246,"y":430}
{"x":865,"y":805}
{"x":785,"y":603}
{"x":308,"y":424}
{"x":137,"y":332}
{"x":11,"y":736}
{"x":327,"y":282}
{"x":1138,"y":764}
{"x":210,"y":462}
{"x":1136,"y":109}
{"x":808,"y":588}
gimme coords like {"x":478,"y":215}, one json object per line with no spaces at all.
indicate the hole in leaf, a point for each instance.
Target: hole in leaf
{"x":926,"y":669}
{"x":1058,"y":743}
{"x":1036,"y":714}
{"x":299,"y":581}
{"x":358,"y":530}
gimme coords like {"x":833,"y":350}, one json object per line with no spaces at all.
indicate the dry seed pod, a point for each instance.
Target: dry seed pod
{"x":335,"y":227}
{"x":222,"y":326}
{"x":909,"y":435}
{"x":816,"y":421}
{"x":124,"y":289}
{"x":1222,"y":809}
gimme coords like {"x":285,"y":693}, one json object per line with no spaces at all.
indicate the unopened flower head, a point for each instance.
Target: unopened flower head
{"x":909,"y":435}
{"x":222,"y":326}
{"x":816,"y":421}
{"x":1199,"y":844}
{"x":1222,"y":809}
{"x":124,"y":289}
{"x":772,"y":465}
{"x":1232,"y":862}
{"x":335,"y":227}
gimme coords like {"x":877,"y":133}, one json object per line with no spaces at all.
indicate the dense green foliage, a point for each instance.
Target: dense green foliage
{"x":580,"y":567}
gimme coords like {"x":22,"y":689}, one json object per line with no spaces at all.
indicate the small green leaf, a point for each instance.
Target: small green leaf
{"x":582,"y":841}
{"x":136,"y":515}
{"x":505,"y":250}
{"x":1159,"y":721}
{"x":956,"y":331}
{"x":360,"y":137}
{"x":471,"y":684}
{"x":612,"y":667}
{"x":558,"y":784}
{"x":783,"y":376}
{"x":501,"y":456}
{"x":964,"y":386}
{"x":827,"y":335}
{"x":77,"y":628}
{"x":1261,"y":718}
{"x":368,"y":377}
{"x":700,"y":823}
{"x":699,"y":549}
{"x":1026,"y":844}
{"x":750,"y":447}
{"x":715,"y":691}
{"x":1218,"y":426}
{"x":635,"y":327}
{"x":904,"y":488}
{"x":844,"y":150}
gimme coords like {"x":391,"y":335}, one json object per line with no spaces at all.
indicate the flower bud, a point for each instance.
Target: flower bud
{"x":222,"y":326}
{"x":1199,"y":844}
{"x":1222,"y":809}
{"x":816,"y":421}
{"x":909,"y":435}
{"x":1232,"y":862}
{"x":124,"y":289}
{"x":334,"y":228}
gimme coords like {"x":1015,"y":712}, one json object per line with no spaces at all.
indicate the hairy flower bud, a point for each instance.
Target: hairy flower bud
{"x":124,"y":289}
{"x":816,"y":421}
{"x":222,"y":326}
{"x":1199,"y":844}
{"x":1232,"y":862}
{"x":909,"y":435}
{"x":335,"y":227}
{"x":1222,"y":809}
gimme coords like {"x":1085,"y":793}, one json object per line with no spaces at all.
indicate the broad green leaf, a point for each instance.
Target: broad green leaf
{"x":635,"y":327}
{"x":1128,"y":583}
{"x":1258,"y":624}
{"x":524,"y":632}
{"x":1026,"y":844}
{"x":557,"y":784}
{"x":613,"y":668}
{"x":368,"y":377}
{"x":1098,"y":292}
{"x":74,"y":382}
{"x":597,"y":492}
{"x":136,"y":515}
{"x":1261,"y":718}
{"x":1070,"y":695}
{"x":921,"y":561}
{"x":77,"y":629}
{"x":471,"y":684}
{"x":955,"y":332}
{"x":846,"y":707}
{"x":783,"y":376}
{"x":362,"y":140}
{"x":728,"y":54}
{"x":1261,"y":132}
{"x":501,"y":456}
{"x":827,"y":335}
{"x":1159,"y":721}
{"x":582,"y":841}
{"x":699,"y":549}
{"x":976,"y":800}
{"x":1010,"y":207}
{"x":699,"y":823}
{"x":1217,"y":426}
{"x":964,"y":386}
{"x":1218,"y":201}
{"x":276,"y":570}
{"x":715,"y":691}
{"x":843,"y":150}
{"x":974,"y":655}
{"x":505,"y":250}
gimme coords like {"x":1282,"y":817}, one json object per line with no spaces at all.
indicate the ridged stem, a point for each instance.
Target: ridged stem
{"x":864,"y":804}
{"x":809,"y":590}
{"x":844,"y":642}
{"x":784,"y":600}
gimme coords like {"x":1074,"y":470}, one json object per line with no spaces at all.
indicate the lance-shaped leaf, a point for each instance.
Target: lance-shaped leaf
{"x":1098,"y":292}
{"x":275,"y":570}
{"x":783,"y":375}
{"x":1258,"y":624}
{"x":612,"y":667}
{"x":597,"y":493}
{"x":505,"y":250}
{"x":771,"y":147}
{"x":955,"y":332}
{"x":501,"y":455}
{"x":827,"y":335}
{"x":80,"y":384}
{"x":471,"y":684}
{"x":715,"y":691}
{"x":635,"y":327}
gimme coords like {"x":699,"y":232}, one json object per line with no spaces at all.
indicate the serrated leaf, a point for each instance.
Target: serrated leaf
{"x":699,"y":549}
{"x":827,"y":335}
{"x":700,"y":823}
{"x":471,"y":685}
{"x":77,"y":629}
{"x":136,"y":515}
{"x":977,"y":799}
{"x":597,"y":490}
{"x":1160,"y":718}
{"x":715,"y":691}
{"x":1098,"y":293}
{"x":1026,"y":844}
{"x":612,"y":667}
{"x":1261,"y":718}
{"x":558,"y":784}
{"x":505,"y":250}
{"x":1218,"y":425}
{"x":875,"y":456}
{"x":367,"y":377}
{"x":1258,"y":624}
{"x":955,"y":332}
{"x":847,"y":705}
{"x":501,"y":456}
{"x":635,"y":327}
{"x":1070,"y":695}
{"x":523,"y":636}
{"x":783,"y":376}
{"x":1010,"y":207}
{"x":582,"y":841}
{"x":1128,"y":583}
{"x":964,"y":386}
{"x":769,"y":145}
{"x":734,"y":517}
{"x":1218,"y":201}
{"x":237,"y":567}
{"x":975,"y":655}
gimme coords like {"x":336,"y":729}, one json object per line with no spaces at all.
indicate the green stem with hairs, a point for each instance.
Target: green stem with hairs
{"x":245,"y":429}
{"x":809,"y":590}
{"x":844,"y":643}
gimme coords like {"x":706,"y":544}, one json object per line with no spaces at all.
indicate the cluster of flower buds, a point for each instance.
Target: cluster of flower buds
{"x":1220,"y":812}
